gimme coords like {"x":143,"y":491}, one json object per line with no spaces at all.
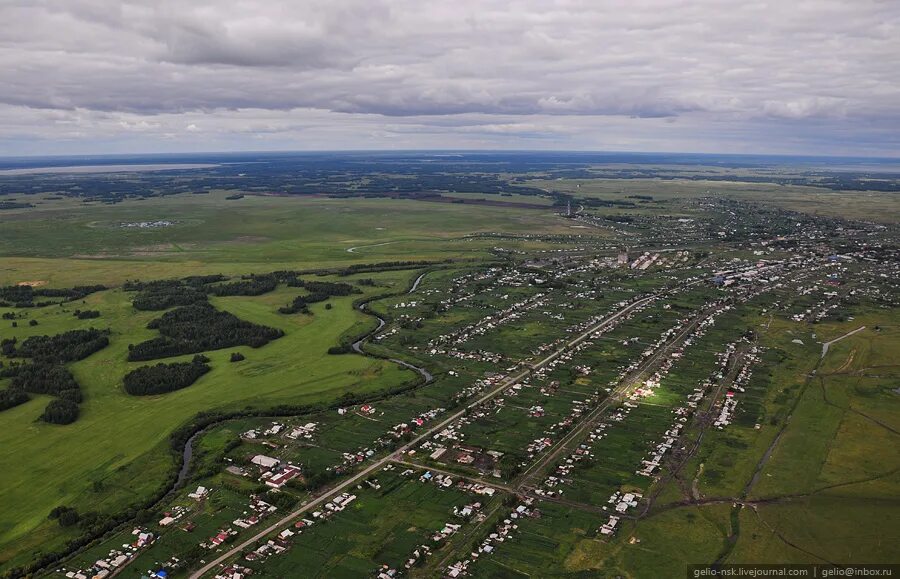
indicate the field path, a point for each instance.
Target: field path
{"x":353,"y":249}
{"x":847,"y":335}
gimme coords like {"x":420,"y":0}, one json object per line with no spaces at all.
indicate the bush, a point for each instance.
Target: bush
{"x":66,"y":516}
{"x":60,"y":411}
{"x":236,"y":357}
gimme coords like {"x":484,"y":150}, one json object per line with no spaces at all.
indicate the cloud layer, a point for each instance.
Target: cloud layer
{"x":808,"y":76}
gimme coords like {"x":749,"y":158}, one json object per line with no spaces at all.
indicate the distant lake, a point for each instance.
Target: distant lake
{"x":108,"y":168}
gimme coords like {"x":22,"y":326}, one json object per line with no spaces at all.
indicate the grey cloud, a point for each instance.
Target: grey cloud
{"x":715,"y":63}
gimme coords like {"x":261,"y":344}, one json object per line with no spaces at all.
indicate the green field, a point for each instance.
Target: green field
{"x":213,"y":234}
{"x":119,"y":442}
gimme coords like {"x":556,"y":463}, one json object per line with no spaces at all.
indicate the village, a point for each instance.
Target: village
{"x":556,"y":372}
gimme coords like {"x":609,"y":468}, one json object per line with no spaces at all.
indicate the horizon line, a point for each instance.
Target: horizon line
{"x":442,"y":151}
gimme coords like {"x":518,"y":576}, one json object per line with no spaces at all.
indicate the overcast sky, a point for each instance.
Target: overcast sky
{"x":777,"y":76}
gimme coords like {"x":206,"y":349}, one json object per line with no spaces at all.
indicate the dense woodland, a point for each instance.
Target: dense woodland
{"x":46,"y":373}
{"x":10,"y":398}
{"x":197,"y":328}
{"x":164,"y":294}
{"x":42,"y":378}
{"x":66,"y":347}
{"x":162,"y":378}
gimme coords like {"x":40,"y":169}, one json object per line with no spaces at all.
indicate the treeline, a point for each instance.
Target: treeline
{"x":26,"y":296}
{"x":386,"y":266}
{"x":319,"y":291}
{"x":253,"y":285}
{"x":197,"y":328}
{"x":162,"y":378}
{"x":325,"y":288}
{"x":86,"y":314}
{"x":14,"y":205}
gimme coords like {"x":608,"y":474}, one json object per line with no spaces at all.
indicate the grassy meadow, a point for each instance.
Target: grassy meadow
{"x":117,"y":450}
{"x":212,"y":234}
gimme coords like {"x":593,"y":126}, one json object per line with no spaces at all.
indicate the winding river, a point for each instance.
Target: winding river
{"x":357,"y":345}
{"x":188,"y":453}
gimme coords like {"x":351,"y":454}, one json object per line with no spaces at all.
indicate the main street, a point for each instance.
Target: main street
{"x":621,"y":391}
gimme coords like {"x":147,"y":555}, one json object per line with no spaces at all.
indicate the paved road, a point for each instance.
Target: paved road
{"x":380,"y":463}
{"x":619,"y":394}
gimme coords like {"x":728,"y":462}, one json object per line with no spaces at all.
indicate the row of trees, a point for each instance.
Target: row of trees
{"x":26,"y":296}
{"x":254,"y":285}
{"x":197,"y":328}
{"x":385,"y":266}
{"x":136,"y":285}
{"x":162,"y":378}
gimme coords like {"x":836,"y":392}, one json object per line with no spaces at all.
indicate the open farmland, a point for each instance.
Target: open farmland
{"x":555,"y":378}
